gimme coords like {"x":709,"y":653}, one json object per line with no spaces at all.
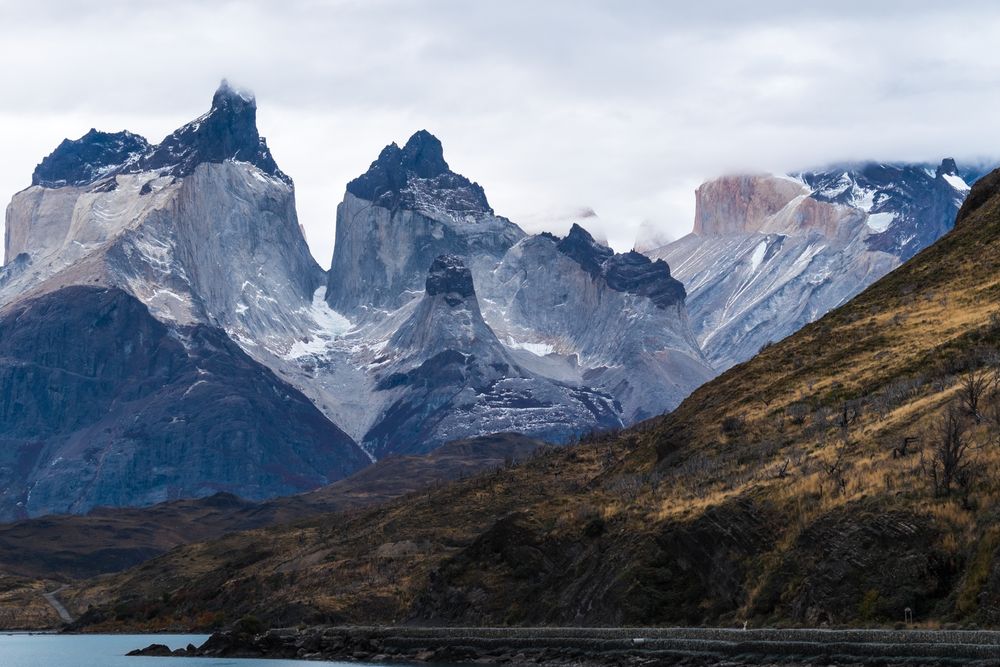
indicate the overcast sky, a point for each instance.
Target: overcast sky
{"x":556,"y":108}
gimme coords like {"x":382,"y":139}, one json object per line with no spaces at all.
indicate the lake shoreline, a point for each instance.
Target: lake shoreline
{"x":601,"y":647}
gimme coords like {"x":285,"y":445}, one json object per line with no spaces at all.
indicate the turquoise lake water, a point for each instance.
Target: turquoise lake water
{"x":21,"y":650}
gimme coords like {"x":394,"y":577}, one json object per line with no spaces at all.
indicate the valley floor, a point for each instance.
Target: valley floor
{"x":607,"y":646}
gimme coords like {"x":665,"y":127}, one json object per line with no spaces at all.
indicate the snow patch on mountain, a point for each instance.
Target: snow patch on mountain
{"x":758,"y":256}
{"x":328,"y":325}
{"x":957,"y":182}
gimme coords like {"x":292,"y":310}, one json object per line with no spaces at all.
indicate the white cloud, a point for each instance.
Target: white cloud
{"x":553,"y":107}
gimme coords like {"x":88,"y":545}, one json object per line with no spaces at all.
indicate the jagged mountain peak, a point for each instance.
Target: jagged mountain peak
{"x":630,"y":272}
{"x":451,"y":374}
{"x":84,"y":160}
{"x":417,"y":177}
{"x":227,"y":95}
{"x":227,"y":132}
{"x":396,"y":218}
{"x":424,"y":155}
{"x":447,"y":318}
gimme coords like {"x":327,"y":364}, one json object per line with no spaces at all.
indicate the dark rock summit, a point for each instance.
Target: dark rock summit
{"x":84,"y":160}
{"x":635,"y":273}
{"x":389,"y":180}
{"x":947,"y":167}
{"x":581,"y":247}
{"x":631,"y":272}
{"x":449,"y":276}
{"x":227,"y":132}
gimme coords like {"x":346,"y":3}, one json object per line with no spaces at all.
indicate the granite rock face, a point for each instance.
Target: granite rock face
{"x":770,"y":254}
{"x":582,"y":317}
{"x":201,"y":231}
{"x":553,"y":322}
{"x":407,"y":209}
{"x":447,"y":371}
{"x":102,"y":404}
{"x":205,"y":239}
{"x":629,"y":273}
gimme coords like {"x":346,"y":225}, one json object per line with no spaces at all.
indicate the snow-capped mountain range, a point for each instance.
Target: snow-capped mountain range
{"x":165,"y":332}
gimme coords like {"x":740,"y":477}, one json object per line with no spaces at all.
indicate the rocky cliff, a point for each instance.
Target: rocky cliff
{"x":201,"y":232}
{"x":407,"y":209}
{"x":572,"y":308}
{"x":568,"y":315}
{"x":199,"y":227}
{"x":769,"y":254}
{"x":446,"y":371}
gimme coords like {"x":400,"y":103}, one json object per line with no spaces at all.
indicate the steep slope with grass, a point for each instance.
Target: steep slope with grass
{"x":840,"y":477}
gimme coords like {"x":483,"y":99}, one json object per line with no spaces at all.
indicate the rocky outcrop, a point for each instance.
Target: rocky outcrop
{"x":201,"y":229}
{"x":407,"y":209}
{"x":764,"y":204}
{"x":416,"y":177}
{"x":85,"y":160}
{"x":631,"y":272}
{"x":909,"y":206}
{"x":447,"y":376}
{"x":573,"y":309}
{"x":741,"y":204}
{"x":102,"y":404}
{"x":770,"y":254}
{"x":227,"y":132}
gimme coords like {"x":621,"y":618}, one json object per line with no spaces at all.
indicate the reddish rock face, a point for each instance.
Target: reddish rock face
{"x":734,"y":205}
{"x":741,"y":204}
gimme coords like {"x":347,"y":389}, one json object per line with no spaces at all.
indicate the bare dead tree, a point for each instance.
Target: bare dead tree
{"x":974,"y":383}
{"x":850,"y":412}
{"x":835,"y":470}
{"x":949,"y":454}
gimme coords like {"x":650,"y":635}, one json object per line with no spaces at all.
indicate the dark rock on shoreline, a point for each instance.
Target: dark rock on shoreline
{"x":603,"y":646}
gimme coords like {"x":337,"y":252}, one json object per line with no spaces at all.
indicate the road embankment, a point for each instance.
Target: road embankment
{"x":607,"y":646}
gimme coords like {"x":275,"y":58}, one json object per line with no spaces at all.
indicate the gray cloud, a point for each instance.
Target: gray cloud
{"x":553,"y":107}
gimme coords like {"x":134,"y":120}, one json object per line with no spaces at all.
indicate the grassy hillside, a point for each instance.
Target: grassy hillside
{"x":43,"y":553}
{"x":842,"y":476}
